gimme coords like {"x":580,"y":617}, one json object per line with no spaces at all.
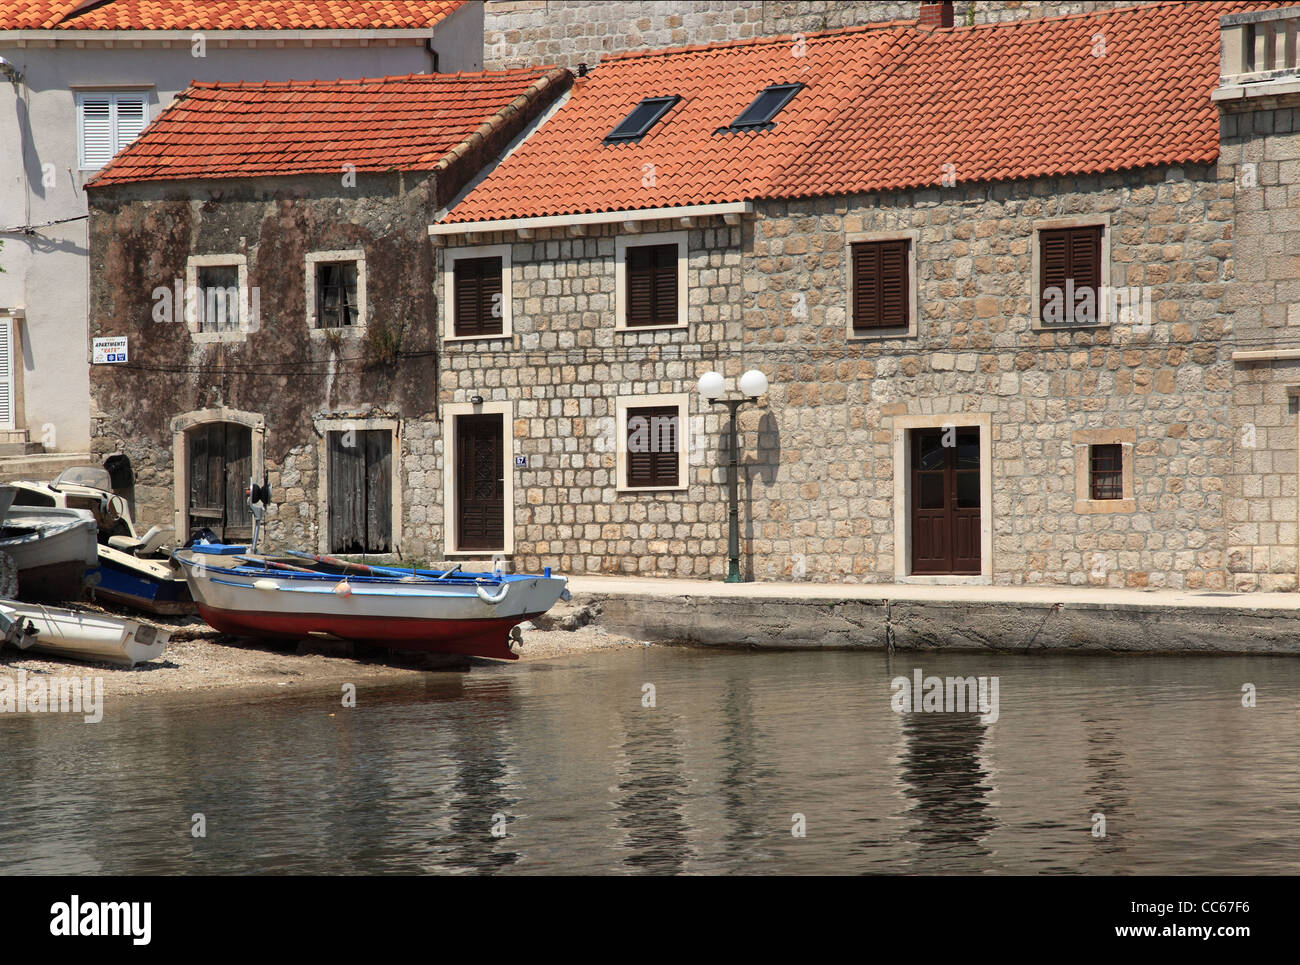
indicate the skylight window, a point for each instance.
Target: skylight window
{"x":758,"y":115}
{"x":643,"y":117}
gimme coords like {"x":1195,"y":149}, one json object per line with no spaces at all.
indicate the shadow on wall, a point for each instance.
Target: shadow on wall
{"x":31,"y":160}
{"x":764,"y":459}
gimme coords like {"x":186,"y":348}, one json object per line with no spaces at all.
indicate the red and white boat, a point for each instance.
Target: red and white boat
{"x":299,"y":595}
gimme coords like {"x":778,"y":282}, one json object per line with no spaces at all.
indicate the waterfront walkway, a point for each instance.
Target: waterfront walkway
{"x":961,"y":617}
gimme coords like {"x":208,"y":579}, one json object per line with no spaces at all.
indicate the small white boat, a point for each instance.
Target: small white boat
{"x":52,"y":549}
{"x":80,"y":635}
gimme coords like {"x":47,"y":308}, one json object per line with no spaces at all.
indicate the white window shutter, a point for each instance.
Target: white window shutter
{"x":96,"y":130}
{"x":132,"y":118}
{"x":6,"y":373}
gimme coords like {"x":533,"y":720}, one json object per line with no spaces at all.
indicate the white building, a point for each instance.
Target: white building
{"x":78,"y":82}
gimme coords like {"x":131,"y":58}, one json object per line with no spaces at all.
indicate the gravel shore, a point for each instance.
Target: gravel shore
{"x":201,"y":661}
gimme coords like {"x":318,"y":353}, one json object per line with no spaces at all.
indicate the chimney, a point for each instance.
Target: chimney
{"x":936,"y":14}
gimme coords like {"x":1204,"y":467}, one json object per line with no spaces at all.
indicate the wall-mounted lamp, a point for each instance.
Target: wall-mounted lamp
{"x":476,"y":400}
{"x":10,"y":71}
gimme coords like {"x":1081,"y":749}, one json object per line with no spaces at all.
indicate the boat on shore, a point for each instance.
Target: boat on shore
{"x":80,"y":634}
{"x":300,"y":595}
{"x":51,"y":549}
{"x":135,"y":571}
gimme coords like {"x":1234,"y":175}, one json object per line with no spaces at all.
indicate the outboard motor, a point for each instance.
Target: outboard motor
{"x":259,"y":497}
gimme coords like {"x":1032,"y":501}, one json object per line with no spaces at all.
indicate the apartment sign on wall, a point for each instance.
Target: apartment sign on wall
{"x":109,"y":350}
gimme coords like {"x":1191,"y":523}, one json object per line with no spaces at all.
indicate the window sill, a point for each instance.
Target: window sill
{"x":507,"y":334}
{"x":633,"y":490}
{"x":346,"y":331}
{"x":651,"y":328}
{"x":458,"y":554}
{"x":1038,"y":325}
{"x":1095,"y":506}
{"x":881,"y":334}
{"x":210,"y":338}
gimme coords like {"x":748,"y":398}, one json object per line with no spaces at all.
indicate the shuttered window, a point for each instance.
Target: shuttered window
{"x":361,"y":491}
{"x":653,"y":440}
{"x":651,"y":285}
{"x":881,"y":293}
{"x":108,"y":122}
{"x":1069,"y":275}
{"x":479,"y":308}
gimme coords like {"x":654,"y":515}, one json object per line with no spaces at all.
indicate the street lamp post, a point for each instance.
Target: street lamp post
{"x":712,"y":386}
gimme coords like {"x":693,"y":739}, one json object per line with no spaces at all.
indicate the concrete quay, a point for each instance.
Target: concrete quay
{"x":798,"y":616}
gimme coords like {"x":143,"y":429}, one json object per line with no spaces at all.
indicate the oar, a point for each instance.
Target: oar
{"x":383,"y":572}
{"x":271,"y":564}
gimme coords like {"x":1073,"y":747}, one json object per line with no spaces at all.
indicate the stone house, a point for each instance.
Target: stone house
{"x":263,"y":249}
{"x":988,"y":272}
{"x":1259,"y":98}
{"x":78,"y":82}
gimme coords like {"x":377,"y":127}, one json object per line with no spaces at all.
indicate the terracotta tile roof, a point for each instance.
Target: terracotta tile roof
{"x":890,"y":106}
{"x":222,"y":14}
{"x":316,"y":127}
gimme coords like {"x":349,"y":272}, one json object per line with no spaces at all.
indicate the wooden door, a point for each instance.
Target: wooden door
{"x":946,"y":501}
{"x":480,"y":483}
{"x":360,"y":491}
{"x":220,"y":467}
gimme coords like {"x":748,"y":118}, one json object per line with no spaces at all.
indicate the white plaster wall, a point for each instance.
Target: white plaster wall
{"x":48,"y":272}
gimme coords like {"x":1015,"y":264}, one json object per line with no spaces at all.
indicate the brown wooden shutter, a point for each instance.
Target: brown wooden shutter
{"x":881,"y":291}
{"x":477,"y":283}
{"x":1069,"y":255}
{"x":652,"y":443}
{"x":651,"y":285}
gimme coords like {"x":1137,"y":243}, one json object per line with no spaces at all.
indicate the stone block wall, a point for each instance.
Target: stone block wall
{"x":1260,"y":155}
{"x":818,"y":496}
{"x":567,"y":33}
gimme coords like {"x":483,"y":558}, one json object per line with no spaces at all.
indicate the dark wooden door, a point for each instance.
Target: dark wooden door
{"x":220,"y":465}
{"x":946,"y":501}
{"x":480,"y":483}
{"x":361,"y":491}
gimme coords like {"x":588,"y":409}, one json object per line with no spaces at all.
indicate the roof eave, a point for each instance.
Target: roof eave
{"x":593,"y":218}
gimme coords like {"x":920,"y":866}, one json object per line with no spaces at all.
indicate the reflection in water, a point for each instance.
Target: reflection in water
{"x":942,"y":773}
{"x":1104,"y":761}
{"x":481,"y":808}
{"x":651,"y":792}
{"x":587,"y":781}
{"x":747,"y":819}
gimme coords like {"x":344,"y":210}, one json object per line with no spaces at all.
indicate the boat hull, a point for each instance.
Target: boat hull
{"x":77,"y":635}
{"x":472,"y":614}
{"x":475,"y":638}
{"x":152,"y":586}
{"x":52,"y":549}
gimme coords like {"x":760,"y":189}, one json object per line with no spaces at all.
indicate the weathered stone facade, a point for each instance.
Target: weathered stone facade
{"x":819,"y":477}
{"x":567,"y":33}
{"x":141,"y":238}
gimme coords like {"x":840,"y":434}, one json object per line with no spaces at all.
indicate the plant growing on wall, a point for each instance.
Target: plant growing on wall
{"x":384,"y":342}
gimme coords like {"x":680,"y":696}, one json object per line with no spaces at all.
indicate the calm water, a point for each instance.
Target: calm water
{"x":585,"y":779}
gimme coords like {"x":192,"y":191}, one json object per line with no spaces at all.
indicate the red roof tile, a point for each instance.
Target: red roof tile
{"x":886,"y":107}
{"x":316,"y":127}
{"x":223,"y":14}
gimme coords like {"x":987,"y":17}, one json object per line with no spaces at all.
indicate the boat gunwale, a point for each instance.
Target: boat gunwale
{"x":431,"y":580}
